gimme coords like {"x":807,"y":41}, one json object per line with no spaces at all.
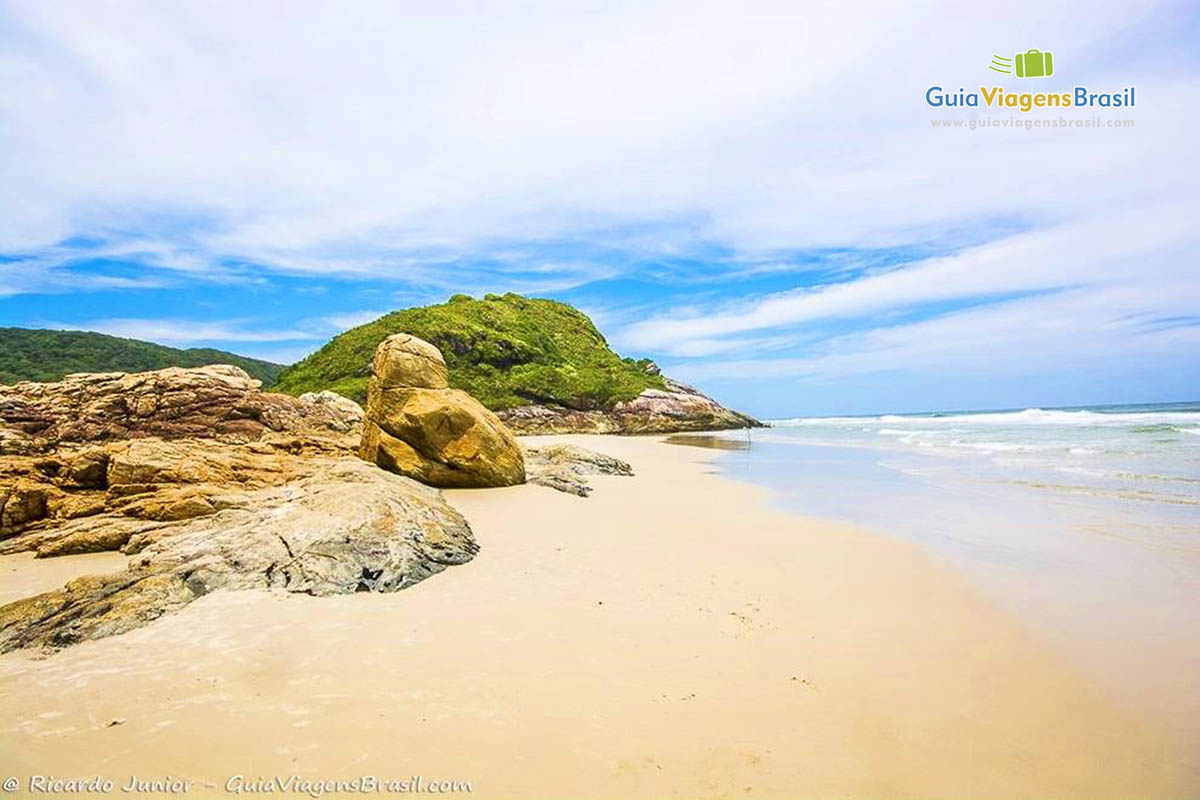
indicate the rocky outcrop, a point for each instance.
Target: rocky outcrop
{"x":210,"y":483}
{"x":418,"y":427}
{"x":215,"y":402}
{"x":94,"y":498}
{"x":677,"y":407}
{"x":565,"y":467}
{"x":89,"y":444}
{"x":347,"y":527}
{"x":344,"y":413}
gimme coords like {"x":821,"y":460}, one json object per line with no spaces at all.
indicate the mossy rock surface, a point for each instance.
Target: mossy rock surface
{"x":505,"y":350}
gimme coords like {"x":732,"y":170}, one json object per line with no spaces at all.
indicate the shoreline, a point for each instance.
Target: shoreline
{"x":671,"y":635}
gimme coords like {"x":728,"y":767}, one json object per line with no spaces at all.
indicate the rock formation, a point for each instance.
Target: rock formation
{"x":416,"y":426}
{"x":344,"y":413}
{"x":565,"y":466}
{"x":677,"y":407}
{"x":95,"y":443}
{"x":347,"y":527}
{"x":215,"y":402}
{"x":209,"y":483}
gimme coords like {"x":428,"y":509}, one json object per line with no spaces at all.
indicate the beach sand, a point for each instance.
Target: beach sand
{"x":670,"y":636}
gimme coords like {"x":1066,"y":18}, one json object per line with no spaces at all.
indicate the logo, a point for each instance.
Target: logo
{"x":1030,"y":64}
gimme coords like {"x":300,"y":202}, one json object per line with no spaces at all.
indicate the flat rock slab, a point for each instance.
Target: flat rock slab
{"x":565,"y":466}
{"x":347,"y":527}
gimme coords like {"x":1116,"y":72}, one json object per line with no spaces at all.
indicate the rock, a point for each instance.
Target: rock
{"x":170,"y":507}
{"x":68,"y":506}
{"x":563,"y":467}
{"x":679,"y":407}
{"x":214,"y":402}
{"x":88,"y":469}
{"x":96,"y":534}
{"x":344,"y":413}
{"x":148,"y":479}
{"x":405,"y":360}
{"x":213,"y":484}
{"x":85,"y":445}
{"x":348,"y":527}
{"x":21,"y":503}
{"x":440,"y":436}
{"x":15,"y":442}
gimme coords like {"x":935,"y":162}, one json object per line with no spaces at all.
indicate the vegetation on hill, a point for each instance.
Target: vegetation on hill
{"x":39,"y":355}
{"x":505,"y":350}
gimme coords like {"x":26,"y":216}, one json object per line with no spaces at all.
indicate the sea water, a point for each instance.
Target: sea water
{"x":1085,"y":522}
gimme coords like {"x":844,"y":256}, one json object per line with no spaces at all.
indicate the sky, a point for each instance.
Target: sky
{"x":755,"y":195}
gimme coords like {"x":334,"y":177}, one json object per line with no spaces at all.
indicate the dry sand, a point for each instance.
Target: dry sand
{"x":668,"y":637}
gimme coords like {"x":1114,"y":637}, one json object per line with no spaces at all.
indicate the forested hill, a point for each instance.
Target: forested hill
{"x":28,"y":354}
{"x":506,"y":350}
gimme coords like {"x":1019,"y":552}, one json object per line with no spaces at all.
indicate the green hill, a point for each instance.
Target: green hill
{"x":39,"y":355}
{"x":505,"y":350}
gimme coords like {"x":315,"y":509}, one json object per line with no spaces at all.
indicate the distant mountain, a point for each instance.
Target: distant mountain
{"x":28,"y":354}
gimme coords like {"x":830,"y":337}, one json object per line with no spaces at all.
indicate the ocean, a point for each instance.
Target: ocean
{"x":1141,"y":460}
{"x":1085,"y":522}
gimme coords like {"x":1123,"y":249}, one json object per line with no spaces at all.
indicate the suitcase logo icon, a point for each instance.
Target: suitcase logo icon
{"x":1030,"y":64}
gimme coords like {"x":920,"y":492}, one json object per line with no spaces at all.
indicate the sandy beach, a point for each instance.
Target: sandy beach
{"x":670,"y":636}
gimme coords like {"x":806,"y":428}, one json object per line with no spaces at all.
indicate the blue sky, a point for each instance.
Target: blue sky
{"x":753,"y":195}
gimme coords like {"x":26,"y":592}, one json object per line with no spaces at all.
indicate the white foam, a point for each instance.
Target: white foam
{"x":1030,"y":416}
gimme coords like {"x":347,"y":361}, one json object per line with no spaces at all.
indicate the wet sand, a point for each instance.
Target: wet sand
{"x":670,"y":636}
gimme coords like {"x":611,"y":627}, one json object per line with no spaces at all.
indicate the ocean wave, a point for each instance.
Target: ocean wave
{"x":1029,"y":416}
{"x":1007,"y":447}
{"x":803,"y":422}
{"x":1125,"y":475}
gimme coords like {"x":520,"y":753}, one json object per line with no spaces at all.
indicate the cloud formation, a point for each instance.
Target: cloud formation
{"x":183,"y":331}
{"x":685,"y":167}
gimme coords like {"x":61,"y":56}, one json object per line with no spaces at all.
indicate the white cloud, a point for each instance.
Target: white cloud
{"x":180,"y":331}
{"x":1096,"y":251}
{"x":416,"y":142}
{"x":1080,"y":330}
{"x":322,"y":140}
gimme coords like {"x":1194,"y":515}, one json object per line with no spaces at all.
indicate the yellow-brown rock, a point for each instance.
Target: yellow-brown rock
{"x":208,"y":483}
{"x":440,"y":436}
{"x":405,"y":360}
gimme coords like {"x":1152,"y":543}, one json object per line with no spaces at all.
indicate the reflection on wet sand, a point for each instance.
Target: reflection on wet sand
{"x":709,"y":441}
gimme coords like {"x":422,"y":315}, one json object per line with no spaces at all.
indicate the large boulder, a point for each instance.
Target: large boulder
{"x":418,"y":427}
{"x":404,"y":360}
